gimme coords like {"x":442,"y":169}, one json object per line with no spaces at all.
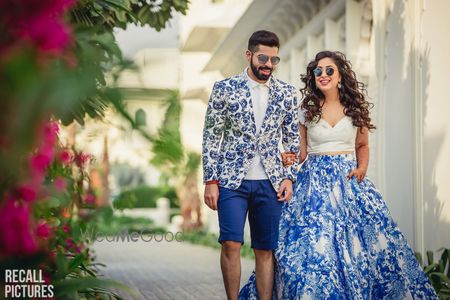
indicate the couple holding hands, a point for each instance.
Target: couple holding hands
{"x":319,"y":227}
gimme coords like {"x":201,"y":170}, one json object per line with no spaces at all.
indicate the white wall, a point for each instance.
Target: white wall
{"x":397,"y":115}
{"x":407,"y":74}
{"x":435,"y":50}
{"x":414,"y":61}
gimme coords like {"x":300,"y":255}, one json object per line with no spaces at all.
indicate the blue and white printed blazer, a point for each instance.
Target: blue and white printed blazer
{"x":230,"y":140}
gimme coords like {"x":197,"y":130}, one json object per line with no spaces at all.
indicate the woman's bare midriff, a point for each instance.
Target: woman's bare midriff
{"x":333,"y":153}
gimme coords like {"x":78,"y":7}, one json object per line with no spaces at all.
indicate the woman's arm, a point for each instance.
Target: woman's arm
{"x":303,"y":143}
{"x":362,"y":154}
{"x":362,"y":148}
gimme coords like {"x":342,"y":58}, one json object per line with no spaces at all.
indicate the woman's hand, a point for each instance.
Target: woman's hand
{"x":288,"y":158}
{"x":358,"y":173}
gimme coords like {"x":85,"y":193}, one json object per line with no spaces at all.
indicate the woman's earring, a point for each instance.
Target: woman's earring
{"x":339,"y":85}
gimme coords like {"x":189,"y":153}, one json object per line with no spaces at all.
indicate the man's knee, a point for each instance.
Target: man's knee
{"x":231,"y":248}
{"x":263,"y":255}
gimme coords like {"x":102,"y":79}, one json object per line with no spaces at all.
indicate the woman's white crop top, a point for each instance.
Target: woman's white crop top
{"x":321,"y":137}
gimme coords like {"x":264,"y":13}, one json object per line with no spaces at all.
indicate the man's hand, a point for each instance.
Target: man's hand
{"x":211,"y":195}
{"x":285,"y":191}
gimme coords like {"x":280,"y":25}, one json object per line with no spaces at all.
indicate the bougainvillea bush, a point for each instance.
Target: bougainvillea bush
{"x":55,"y":58}
{"x":43,"y":215}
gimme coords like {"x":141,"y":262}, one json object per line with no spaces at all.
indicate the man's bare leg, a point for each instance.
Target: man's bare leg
{"x":264,"y":269}
{"x":230,"y":262}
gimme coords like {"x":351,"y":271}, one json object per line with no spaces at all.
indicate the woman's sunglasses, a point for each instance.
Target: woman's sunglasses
{"x":263,"y":59}
{"x":318,"y":71}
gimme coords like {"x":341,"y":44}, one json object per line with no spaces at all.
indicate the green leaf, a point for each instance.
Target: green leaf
{"x":90,"y":272}
{"x":445,"y":257}
{"x":76,"y":262}
{"x":430,"y":268}
{"x":119,"y":5}
{"x":62,"y":265}
{"x":430,"y":257}
{"x":444,"y":279}
{"x":121,"y":16}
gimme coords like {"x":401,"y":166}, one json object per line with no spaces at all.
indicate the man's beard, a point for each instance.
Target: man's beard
{"x":256,"y":72}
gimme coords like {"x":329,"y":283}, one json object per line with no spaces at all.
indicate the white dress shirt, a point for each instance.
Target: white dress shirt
{"x":260,"y":99}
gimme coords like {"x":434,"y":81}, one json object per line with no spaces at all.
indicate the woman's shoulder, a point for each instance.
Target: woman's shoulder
{"x":301,"y":114}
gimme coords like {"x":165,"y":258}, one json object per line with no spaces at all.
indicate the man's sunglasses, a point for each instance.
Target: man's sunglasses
{"x":318,"y":71}
{"x":263,"y":59}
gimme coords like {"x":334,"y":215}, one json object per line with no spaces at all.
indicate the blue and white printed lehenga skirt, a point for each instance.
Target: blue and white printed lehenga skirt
{"x":339,"y":241}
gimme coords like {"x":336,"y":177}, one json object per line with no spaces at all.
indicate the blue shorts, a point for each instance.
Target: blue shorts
{"x":259,"y":198}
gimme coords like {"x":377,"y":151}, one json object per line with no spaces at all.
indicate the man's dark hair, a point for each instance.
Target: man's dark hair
{"x":263,"y":37}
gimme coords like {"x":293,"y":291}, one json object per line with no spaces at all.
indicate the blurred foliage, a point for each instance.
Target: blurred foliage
{"x":109,"y":223}
{"x":169,"y":154}
{"x":97,"y":52}
{"x":77,"y":83}
{"x":145,"y":197}
{"x":178,"y":166}
{"x":109,"y":14}
{"x":59,"y":61}
{"x":167,"y":147}
{"x":48,"y":236}
{"x":438,"y":271}
{"x":126,"y":175}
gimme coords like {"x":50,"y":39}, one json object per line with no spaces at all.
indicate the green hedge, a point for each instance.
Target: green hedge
{"x":107,"y":223}
{"x":145,"y":197}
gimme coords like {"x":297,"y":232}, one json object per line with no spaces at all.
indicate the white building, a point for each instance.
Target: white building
{"x":399,"y":48}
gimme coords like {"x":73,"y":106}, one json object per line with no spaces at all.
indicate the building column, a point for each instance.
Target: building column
{"x":331,"y":35}
{"x":353,"y":13}
{"x":297,"y":66}
{"x":312,"y":46}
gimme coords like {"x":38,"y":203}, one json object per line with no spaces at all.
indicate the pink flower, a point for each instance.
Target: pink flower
{"x":65,"y":157}
{"x":46,"y":277}
{"x":27,"y":193}
{"x":50,"y":132}
{"x":17,"y":236}
{"x":43,"y":230}
{"x":48,"y":34}
{"x":78,"y":248}
{"x":60,"y":184}
{"x":40,"y":22}
{"x":89,"y":198}
{"x":81,"y":159}
{"x":69,"y":244}
{"x":66,"y":228}
{"x":39,"y":163}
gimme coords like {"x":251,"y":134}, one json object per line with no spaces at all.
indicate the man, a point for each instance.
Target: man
{"x":248,"y":116}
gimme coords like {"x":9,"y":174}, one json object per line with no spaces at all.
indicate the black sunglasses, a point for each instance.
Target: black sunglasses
{"x":328,"y":70}
{"x":263,"y":59}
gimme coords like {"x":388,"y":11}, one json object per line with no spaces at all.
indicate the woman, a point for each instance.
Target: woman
{"x":337,"y":237}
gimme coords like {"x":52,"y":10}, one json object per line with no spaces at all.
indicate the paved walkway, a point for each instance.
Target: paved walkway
{"x":166,"y":270}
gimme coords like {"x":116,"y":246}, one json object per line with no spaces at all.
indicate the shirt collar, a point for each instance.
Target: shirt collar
{"x":252,"y":83}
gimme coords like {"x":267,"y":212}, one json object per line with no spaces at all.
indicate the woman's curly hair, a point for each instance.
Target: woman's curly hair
{"x":351,"y":93}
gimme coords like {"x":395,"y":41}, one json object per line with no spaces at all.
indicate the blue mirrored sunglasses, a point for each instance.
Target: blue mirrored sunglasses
{"x":318,"y":71}
{"x":263,"y":59}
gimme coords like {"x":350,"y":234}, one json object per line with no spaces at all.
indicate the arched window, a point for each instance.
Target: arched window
{"x":140,"y":117}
